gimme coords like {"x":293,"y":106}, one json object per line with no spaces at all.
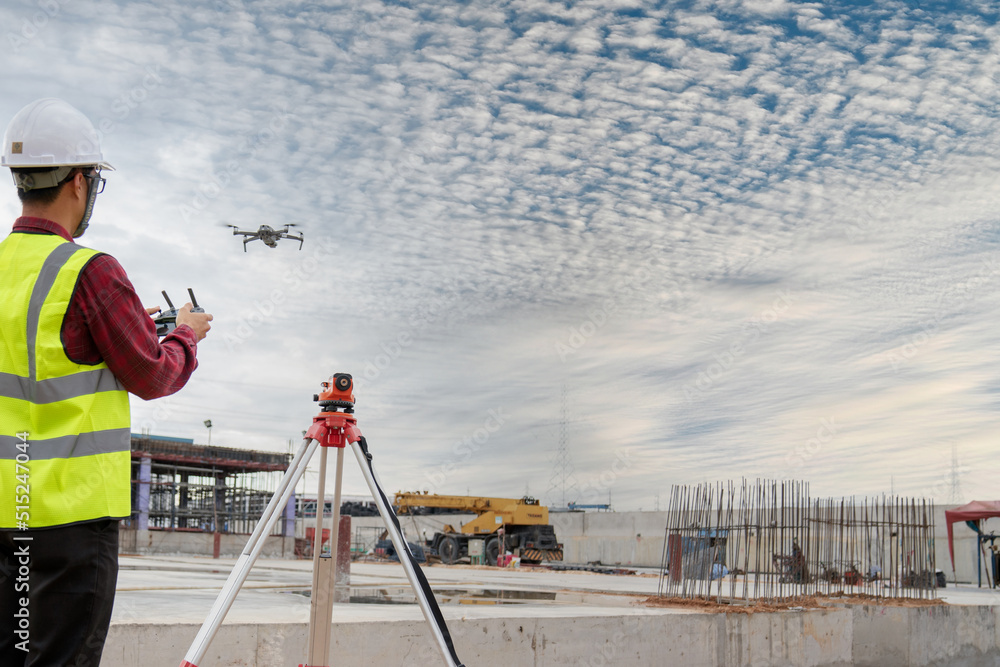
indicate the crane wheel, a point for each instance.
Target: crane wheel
{"x":448,"y":550}
{"x":492,"y":551}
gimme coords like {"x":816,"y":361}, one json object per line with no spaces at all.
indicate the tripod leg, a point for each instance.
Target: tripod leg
{"x":422,"y":590}
{"x":320,"y":516}
{"x":337,"y":489}
{"x":250,"y":552}
{"x":325,"y":574}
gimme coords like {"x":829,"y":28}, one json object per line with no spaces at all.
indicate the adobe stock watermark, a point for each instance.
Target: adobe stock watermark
{"x":22,"y":479}
{"x":599,"y":316}
{"x":929,"y":328}
{"x":121,"y":108}
{"x":164,"y":411}
{"x":942,"y":486}
{"x":32,"y":25}
{"x":874,"y":210}
{"x":392,"y":349}
{"x":215,"y":182}
{"x":123,"y":105}
{"x":423,"y":154}
{"x":22,"y":585}
{"x":612,"y":652}
{"x":723,"y":362}
{"x":246,"y":326}
{"x":592,"y":491}
{"x":22,"y":517}
{"x":348,"y":45}
{"x":421,"y":648}
{"x":580,"y":334}
{"x":463,"y":450}
{"x":800,"y":455}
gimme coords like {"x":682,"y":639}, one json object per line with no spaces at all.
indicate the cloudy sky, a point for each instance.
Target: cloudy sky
{"x":695,"y":241}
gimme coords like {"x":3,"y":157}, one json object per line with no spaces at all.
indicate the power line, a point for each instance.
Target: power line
{"x":562,"y":479}
{"x":955,"y":497}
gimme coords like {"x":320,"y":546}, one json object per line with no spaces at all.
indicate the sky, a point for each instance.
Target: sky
{"x":689,"y":241}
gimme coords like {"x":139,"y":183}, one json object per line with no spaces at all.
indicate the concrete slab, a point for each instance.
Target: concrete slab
{"x":585,"y":619}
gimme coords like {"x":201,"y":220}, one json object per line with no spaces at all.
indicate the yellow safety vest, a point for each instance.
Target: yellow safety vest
{"x":64,"y":427}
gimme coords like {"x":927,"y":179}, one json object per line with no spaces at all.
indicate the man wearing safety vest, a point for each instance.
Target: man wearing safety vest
{"x":74,"y":342}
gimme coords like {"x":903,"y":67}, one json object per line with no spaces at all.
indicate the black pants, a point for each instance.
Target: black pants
{"x":71,"y":576}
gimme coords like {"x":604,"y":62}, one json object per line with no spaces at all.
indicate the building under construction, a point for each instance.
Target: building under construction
{"x":180,"y":486}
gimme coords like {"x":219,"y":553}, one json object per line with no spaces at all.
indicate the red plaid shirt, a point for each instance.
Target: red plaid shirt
{"x":106,"y":322}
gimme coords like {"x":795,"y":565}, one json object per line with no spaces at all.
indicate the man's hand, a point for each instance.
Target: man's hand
{"x":153,"y":310}
{"x":197,"y":321}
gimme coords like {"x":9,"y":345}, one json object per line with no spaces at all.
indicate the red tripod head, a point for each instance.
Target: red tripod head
{"x":336,"y":424}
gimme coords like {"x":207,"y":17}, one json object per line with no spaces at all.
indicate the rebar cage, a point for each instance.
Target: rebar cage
{"x":768,"y":540}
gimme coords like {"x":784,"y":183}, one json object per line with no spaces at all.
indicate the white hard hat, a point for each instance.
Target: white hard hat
{"x":51,"y":133}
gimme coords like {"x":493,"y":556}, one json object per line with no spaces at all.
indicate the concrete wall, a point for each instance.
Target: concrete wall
{"x":613,"y":538}
{"x":156,"y":542}
{"x":632,"y":538}
{"x":835,"y":637}
{"x":628,"y":538}
{"x":963,"y":636}
{"x":636,"y":538}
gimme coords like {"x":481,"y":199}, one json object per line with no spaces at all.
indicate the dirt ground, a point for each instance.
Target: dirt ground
{"x":797,"y":603}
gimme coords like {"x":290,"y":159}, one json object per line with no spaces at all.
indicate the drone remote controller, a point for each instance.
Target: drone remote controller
{"x":167,"y":321}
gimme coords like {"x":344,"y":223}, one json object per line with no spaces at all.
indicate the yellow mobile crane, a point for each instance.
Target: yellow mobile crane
{"x":521,"y":523}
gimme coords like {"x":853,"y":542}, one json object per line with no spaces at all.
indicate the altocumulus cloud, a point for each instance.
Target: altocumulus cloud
{"x":800,"y":198}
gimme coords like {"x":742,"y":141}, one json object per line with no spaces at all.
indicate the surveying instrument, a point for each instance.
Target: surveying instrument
{"x":335,"y":426}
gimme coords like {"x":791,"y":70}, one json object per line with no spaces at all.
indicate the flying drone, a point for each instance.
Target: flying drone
{"x":268,"y":235}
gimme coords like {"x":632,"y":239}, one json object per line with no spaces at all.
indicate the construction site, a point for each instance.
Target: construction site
{"x":730,"y":573}
{"x":672,"y":326}
{"x":200,"y":499}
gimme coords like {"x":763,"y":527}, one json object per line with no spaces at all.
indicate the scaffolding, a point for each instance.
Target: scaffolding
{"x":178,"y":485}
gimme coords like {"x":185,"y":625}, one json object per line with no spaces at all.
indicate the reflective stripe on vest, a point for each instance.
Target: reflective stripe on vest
{"x":64,"y":427}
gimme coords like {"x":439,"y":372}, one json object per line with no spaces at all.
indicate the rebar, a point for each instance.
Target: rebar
{"x":768,"y":540}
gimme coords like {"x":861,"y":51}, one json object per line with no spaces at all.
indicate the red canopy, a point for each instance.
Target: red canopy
{"x":977,"y":509}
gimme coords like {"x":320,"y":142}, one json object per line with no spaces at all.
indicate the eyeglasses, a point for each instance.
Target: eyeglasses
{"x":96,"y":176}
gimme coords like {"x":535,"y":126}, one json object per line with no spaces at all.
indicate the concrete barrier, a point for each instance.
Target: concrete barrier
{"x":159,"y":542}
{"x":966,"y":636}
{"x":953,"y":635}
{"x":624,"y":538}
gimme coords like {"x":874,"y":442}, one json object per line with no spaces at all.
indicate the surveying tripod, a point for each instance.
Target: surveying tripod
{"x":335,"y":426}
